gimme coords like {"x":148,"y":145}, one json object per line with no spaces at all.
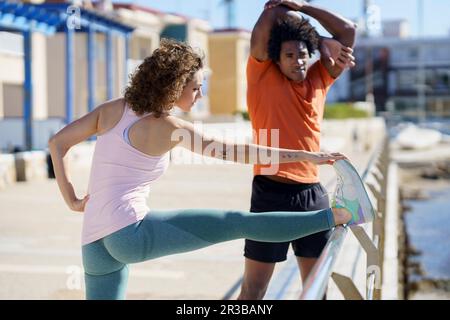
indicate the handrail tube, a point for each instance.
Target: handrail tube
{"x":316,"y":284}
{"x":370,"y":286}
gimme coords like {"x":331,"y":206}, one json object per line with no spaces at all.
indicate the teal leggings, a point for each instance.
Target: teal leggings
{"x":163,"y":233}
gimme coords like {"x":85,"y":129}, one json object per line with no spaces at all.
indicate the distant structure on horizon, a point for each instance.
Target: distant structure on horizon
{"x":398,"y":28}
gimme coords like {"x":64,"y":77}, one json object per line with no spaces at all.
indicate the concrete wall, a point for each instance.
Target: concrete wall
{"x":12,"y":68}
{"x":11,"y":78}
{"x":56,"y":73}
{"x":145,"y":38}
{"x":39,"y":66}
{"x":12,"y":132}
{"x":337,"y":134}
{"x":13,"y":100}
{"x":224,"y":75}
{"x":141,"y":47}
{"x":243,"y":52}
{"x":229,"y":54}
{"x":12,"y":96}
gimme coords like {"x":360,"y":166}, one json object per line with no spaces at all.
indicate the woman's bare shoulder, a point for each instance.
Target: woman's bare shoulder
{"x":112,"y":107}
{"x":110,"y":114}
{"x":174,"y":122}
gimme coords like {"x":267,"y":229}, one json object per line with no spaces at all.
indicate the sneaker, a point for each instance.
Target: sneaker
{"x":350,"y":194}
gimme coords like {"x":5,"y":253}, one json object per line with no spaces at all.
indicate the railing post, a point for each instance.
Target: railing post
{"x":373,"y":257}
{"x":379,"y":224}
{"x":347,"y":287}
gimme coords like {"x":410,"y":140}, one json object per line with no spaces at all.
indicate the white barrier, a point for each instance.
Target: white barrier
{"x":31,"y":165}
{"x":7,"y":170}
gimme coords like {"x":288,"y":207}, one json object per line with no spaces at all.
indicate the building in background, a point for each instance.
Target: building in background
{"x":100,"y":67}
{"x":148,"y":24}
{"x":401,"y":75}
{"x":12,"y":75}
{"x":398,"y":28}
{"x":56,"y":69}
{"x":196,"y":33}
{"x":230,"y":49}
{"x":153,"y":25}
{"x":405,"y":72}
{"x":369,"y":78}
{"x":42,"y":41}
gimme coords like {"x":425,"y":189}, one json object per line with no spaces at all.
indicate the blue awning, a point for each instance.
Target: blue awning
{"x":49,"y":18}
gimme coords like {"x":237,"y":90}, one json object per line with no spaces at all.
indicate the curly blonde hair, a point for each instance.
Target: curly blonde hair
{"x":159,"y":81}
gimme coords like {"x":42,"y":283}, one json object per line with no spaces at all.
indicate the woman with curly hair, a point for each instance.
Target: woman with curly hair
{"x":134,"y":137}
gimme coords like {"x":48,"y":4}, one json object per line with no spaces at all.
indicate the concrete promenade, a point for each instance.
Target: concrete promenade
{"x":40,"y":256}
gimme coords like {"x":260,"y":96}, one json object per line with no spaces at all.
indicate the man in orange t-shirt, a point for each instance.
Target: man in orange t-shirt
{"x":286,"y":103}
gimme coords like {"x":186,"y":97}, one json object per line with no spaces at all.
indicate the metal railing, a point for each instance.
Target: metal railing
{"x":316,"y":284}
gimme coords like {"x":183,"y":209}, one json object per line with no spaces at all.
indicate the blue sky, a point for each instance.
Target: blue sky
{"x":435,"y":17}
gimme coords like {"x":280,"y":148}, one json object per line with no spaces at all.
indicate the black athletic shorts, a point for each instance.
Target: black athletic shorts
{"x":269,"y":195}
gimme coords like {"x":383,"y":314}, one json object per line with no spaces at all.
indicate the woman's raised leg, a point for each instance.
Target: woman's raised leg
{"x":170,"y":232}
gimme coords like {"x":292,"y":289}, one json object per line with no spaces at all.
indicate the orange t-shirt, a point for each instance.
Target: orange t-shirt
{"x":296,"y":109}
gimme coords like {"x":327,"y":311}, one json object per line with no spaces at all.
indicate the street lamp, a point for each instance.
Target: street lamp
{"x":231,"y":13}
{"x":421,"y":94}
{"x":371,"y":21}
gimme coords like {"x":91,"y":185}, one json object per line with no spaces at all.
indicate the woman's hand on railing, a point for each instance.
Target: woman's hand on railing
{"x":321,"y":158}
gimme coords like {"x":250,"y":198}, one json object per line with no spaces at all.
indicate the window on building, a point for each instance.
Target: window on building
{"x":413,"y":53}
{"x":437,"y":81}
{"x":11,"y":43}
{"x":406,"y":80}
{"x":12,"y":100}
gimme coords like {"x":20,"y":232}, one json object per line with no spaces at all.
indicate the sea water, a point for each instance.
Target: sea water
{"x":428,"y":229}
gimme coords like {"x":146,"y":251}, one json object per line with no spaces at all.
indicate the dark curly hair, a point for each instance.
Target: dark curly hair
{"x":292,"y":29}
{"x":159,"y":81}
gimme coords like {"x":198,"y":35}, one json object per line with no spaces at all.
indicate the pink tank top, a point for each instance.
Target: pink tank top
{"x":120,"y":181}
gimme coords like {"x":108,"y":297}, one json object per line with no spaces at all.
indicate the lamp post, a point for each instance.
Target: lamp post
{"x":369,"y":59}
{"x":231,"y":13}
{"x":421,"y":78}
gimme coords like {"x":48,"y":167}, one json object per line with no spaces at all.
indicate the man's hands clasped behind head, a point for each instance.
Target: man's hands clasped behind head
{"x":291,"y":4}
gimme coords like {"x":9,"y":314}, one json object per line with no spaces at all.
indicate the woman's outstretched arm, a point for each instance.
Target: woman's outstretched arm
{"x":186,"y":135}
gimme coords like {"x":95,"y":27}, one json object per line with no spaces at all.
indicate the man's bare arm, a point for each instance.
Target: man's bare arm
{"x":342,"y":29}
{"x":261,"y":32}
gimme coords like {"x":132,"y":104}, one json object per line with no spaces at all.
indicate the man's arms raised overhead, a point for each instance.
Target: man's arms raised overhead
{"x":336,"y":53}
{"x":261,"y":32}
